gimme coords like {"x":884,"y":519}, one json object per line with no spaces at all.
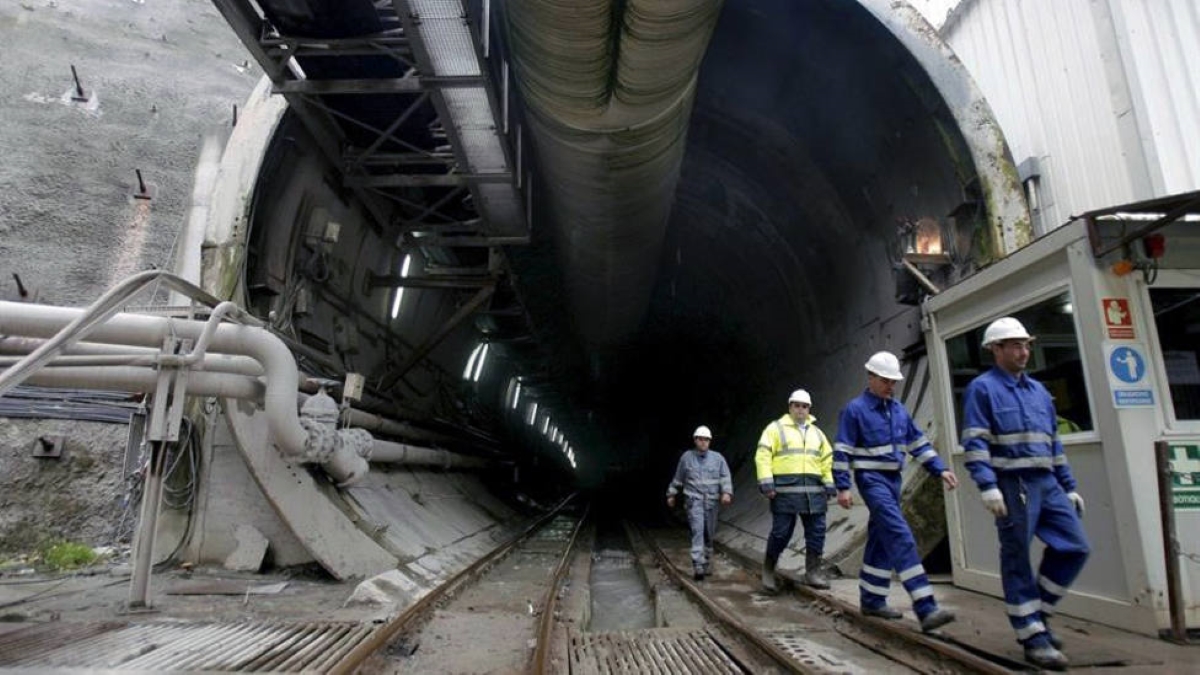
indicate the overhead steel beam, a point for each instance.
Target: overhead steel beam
{"x":434,"y":340}
{"x":249,"y":26}
{"x":427,"y":179}
{"x":387,"y":133}
{"x":457,"y":282}
{"x":400,"y":158}
{"x":394,"y":85}
{"x":468,"y":241}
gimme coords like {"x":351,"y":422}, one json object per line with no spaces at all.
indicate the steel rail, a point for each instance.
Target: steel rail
{"x":722,"y":615}
{"x":384,"y":634}
{"x":550,"y":604}
{"x":948,"y":650}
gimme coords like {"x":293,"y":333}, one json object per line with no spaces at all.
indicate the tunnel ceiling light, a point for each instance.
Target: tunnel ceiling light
{"x":400,"y":289}
{"x":467,"y":372}
{"x":545,"y":424}
{"x":516,"y":399}
{"x":532,"y":413}
{"x":482,"y":359}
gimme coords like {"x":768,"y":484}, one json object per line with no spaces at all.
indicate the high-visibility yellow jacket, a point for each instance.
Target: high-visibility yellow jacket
{"x":792,"y":455}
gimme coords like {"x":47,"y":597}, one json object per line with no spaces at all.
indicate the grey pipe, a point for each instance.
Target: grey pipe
{"x":150,"y":331}
{"x":82,"y":322}
{"x":145,"y":380}
{"x":386,"y":452}
{"x":213,"y":363}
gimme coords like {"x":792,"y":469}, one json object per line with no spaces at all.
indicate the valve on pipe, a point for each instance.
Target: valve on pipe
{"x":342,"y":453}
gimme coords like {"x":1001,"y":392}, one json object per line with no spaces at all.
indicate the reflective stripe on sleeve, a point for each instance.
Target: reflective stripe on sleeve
{"x":867,"y":465}
{"x":977,"y":456}
{"x":1022,"y":462}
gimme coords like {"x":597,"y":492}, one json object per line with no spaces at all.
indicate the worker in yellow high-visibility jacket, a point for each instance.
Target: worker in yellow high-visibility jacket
{"x":794,"y":463}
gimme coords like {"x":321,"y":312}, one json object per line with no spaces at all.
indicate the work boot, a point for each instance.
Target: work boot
{"x":768,"y":576}
{"x":884,"y":612}
{"x":1046,"y":656}
{"x":1055,"y":641}
{"x":698,"y":574}
{"x":936,"y":619}
{"x":813,"y":576}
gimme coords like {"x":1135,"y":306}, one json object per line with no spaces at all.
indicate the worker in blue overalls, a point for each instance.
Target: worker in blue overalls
{"x":874,"y":433}
{"x":702,"y":475}
{"x":1011,"y":447}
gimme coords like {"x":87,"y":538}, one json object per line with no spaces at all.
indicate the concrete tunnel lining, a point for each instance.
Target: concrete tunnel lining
{"x":806,"y":145}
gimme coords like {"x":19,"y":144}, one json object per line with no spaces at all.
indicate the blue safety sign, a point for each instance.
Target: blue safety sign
{"x":1127,"y":364}
{"x":1129,"y":375}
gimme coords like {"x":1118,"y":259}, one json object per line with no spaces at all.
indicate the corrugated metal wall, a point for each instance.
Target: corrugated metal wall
{"x":1164,"y":64}
{"x":1104,"y":93}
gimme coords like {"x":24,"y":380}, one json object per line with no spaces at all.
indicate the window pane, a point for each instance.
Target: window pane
{"x":1054,"y":361}
{"x":1177,"y":317}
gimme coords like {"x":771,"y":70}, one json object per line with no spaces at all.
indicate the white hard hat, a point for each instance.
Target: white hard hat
{"x":886,"y":365}
{"x":1006,"y":328}
{"x":800,"y":396}
{"x":702,"y":432}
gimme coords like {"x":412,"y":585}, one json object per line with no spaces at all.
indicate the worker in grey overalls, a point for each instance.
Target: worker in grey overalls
{"x":703,"y":477}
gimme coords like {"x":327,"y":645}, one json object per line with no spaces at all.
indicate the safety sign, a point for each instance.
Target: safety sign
{"x":1185,"y":475}
{"x":1128,"y":373}
{"x":1118,"y":322}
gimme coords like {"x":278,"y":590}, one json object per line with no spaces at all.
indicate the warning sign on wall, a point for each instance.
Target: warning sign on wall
{"x":1118,"y":322}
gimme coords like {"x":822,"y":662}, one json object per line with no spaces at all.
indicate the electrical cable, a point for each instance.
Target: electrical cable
{"x":28,"y":402}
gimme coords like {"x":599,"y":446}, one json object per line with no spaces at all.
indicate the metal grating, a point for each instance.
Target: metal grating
{"x":813,"y":656}
{"x":661,"y":650}
{"x":182,"y":647}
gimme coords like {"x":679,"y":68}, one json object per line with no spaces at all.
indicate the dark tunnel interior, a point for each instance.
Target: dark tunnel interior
{"x":814,"y":134}
{"x":806,"y":146}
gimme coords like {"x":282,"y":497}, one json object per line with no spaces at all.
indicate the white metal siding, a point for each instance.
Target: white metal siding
{"x":1164,"y":70}
{"x":1063,"y":90}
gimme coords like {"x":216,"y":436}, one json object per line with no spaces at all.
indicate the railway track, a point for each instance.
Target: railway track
{"x":804,"y":631}
{"x":536,"y":603}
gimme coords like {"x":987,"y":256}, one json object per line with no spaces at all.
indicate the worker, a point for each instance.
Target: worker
{"x":1011,"y":447}
{"x":794,"y":463}
{"x":703,"y":477}
{"x":873,"y":434}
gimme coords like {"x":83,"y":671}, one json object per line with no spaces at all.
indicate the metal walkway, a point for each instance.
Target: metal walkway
{"x":182,"y":646}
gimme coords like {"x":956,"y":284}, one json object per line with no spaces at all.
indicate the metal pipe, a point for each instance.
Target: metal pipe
{"x":82,"y":322}
{"x":213,"y":363}
{"x":920,"y":277}
{"x":20,"y":346}
{"x":210,"y":327}
{"x":361,"y":419}
{"x":150,"y":331}
{"x":145,"y":380}
{"x":139,"y":584}
{"x":386,"y":452}
{"x":1166,"y":511}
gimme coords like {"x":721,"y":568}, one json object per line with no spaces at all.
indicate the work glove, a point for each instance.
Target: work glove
{"x":993,"y":501}
{"x":1077,"y":502}
{"x":830,"y":492}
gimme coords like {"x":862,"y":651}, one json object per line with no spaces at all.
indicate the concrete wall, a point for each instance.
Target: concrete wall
{"x":157,"y":76}
{"x":77,"y":497}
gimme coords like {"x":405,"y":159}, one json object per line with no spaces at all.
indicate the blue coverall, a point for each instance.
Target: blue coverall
{"x":1010,"y":440}
{"x":702,"y":477}
{"x":873,"y":435}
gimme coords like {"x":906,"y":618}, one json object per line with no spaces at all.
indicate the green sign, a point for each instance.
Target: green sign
{"x":1185,"y":476}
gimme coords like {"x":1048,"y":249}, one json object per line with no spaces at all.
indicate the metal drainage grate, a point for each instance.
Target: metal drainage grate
{"x":649,"y":651}
{"x":815,"y":657}
{"x":244,"y":646}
